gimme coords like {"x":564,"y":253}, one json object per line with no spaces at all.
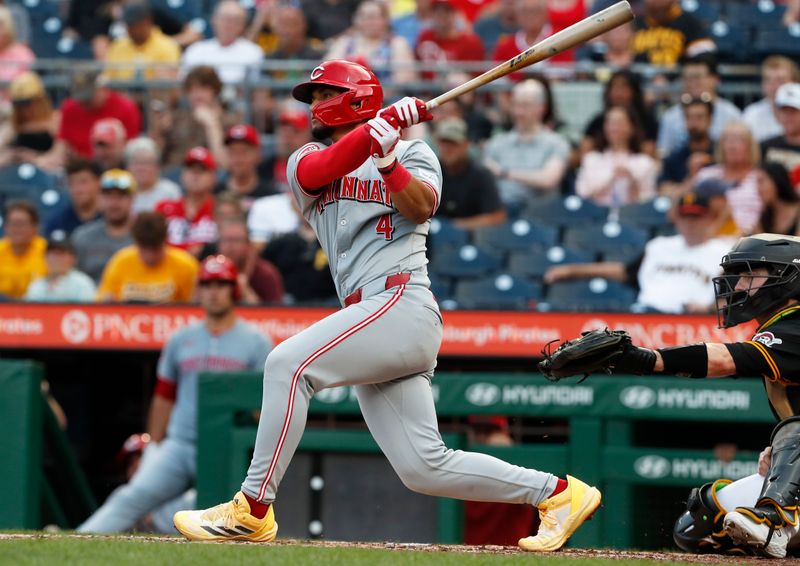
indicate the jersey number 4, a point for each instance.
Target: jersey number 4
{"x":384,"y":226}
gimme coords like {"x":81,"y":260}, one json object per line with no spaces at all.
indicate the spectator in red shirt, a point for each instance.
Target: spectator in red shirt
{"x":531,"y":16}
{"x":444,"y":41}
{"x":90,"y":102}
{"x":259,"y":280}
{"x":190,"y":220}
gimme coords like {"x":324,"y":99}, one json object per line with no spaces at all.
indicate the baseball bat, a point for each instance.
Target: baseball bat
{"x":577,"y":33}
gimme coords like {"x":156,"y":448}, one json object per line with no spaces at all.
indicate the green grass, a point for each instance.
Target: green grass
{"x":65,"y":551}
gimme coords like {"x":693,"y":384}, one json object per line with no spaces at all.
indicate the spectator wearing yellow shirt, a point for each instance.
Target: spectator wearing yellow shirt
{"x":22,"y":250}
{"x":149,"y":271}
{"x":144,"y":43}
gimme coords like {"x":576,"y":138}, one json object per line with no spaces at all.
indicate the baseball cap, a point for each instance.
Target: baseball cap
{"x":451,"y":129}
{"x":788,"y":95}
{"x":84,"y":84}
{"x":108,"y":131}
{"x":493,"y":421}
{"x":118,"y":179}
{"x":243,"y":132}
{"x":59,"y":241}
{"x":691,"y":204}
{"x":25,"y":87}
{"x":298,"y":119}
{"x":200,"y":156}
{"x":135,"y":12}
{"x":710,"y":187}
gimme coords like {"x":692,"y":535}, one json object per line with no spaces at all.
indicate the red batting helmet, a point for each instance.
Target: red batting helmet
{"x":220,"y":268}
{"x":361,"y":99}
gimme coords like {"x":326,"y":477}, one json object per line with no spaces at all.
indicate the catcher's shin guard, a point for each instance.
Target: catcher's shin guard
{"x":769,"y":525}
{"x":782,"y":486}
{"x":699,"y":529}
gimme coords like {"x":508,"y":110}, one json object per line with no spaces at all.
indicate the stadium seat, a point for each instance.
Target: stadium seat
{"x":703,"y":10}
{"x":183,"y":10}
{"x":595,"y":294}
{"x":444,"y":233}
{"x":25,"y":181}
{"x":651,"y":215}
{"x":74,"y":49}
{"x":440,"y":287}
{"x":536,"y":263}
{"x":25,"y":177}
{"x":518,"y":235}
{"x":778,"y":41}
{"x":567,"y":211}
{"x":45,"y":36}
{"x":464,"y":261}
{"x":41,"y":10}
{"x":608,"y":237}
{"x":763,"y":15}
{"x":732,"y":42}
{"x":498,"y":292}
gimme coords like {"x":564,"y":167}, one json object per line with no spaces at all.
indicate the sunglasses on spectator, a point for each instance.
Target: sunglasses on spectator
{"x":121,"y":183}
{"x":687,"y":98}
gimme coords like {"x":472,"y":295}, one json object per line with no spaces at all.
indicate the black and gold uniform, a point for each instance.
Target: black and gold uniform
{"x":761,"y":278}
{"x":774,"y":354}
{"x":672,"y":41}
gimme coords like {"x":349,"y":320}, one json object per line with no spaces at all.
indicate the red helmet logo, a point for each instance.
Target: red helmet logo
{"x":220,"y":268}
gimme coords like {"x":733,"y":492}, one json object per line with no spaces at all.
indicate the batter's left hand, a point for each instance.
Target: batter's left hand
{"x":385,"y":134}
{"x":407,"y":111}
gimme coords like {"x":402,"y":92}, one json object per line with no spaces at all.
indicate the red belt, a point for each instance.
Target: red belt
{"x":391,"y":281}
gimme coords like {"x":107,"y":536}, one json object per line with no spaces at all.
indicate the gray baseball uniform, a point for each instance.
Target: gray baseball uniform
{"x":167,"y":469}
{"x":384,"y":343}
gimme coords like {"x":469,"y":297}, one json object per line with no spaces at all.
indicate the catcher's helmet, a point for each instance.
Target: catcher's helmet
{"x":780,"y":255}
{"x":361,"y":97}
{"x":220,"y":268}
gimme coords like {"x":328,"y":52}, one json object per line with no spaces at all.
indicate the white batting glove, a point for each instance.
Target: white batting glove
{"x":385,"y":135}
{"x":407,"y":111}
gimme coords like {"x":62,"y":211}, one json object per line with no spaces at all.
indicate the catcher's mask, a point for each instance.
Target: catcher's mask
{"x":757,"y":294}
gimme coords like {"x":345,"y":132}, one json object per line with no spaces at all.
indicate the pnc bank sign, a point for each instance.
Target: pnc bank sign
{"x":120,"y":328}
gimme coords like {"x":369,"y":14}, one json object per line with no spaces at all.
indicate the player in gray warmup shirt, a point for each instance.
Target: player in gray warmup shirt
{"x":220,"y":342}
{"x":369,"y":198}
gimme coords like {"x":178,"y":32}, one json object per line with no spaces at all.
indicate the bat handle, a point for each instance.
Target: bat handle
{"x":431,"y":104}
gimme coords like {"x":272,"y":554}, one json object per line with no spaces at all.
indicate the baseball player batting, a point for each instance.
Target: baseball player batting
{"x":369,"y":197}
{"x":219,"y":342}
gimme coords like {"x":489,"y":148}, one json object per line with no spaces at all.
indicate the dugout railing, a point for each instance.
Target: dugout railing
{"x":602,"y":415}
{"x":41,"y":478}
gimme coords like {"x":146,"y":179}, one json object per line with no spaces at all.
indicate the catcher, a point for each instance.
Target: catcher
{"x":761,"y":280}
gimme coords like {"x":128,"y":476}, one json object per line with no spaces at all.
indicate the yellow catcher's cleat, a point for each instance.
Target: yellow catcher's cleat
{"x":561,"y":515}
{"x":227,"y":521}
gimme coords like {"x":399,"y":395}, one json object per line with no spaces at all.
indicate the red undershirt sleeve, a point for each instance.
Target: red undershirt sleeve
{"x":319,"y":168}
{"x":166,"y":389}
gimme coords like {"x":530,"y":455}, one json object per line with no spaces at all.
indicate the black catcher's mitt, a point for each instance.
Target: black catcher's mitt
{"x":595,"y":351}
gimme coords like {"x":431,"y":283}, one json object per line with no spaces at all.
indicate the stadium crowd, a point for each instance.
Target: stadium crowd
{"x":113,"y":196}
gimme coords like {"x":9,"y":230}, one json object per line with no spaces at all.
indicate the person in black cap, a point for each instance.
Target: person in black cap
{"x":63,"y":283}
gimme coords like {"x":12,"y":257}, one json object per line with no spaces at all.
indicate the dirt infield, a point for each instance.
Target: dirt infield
{"x":436,"y":548}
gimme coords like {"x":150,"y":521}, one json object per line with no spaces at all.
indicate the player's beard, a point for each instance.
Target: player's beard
{"x":219,"y":311}
{"x":321,"y":132}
